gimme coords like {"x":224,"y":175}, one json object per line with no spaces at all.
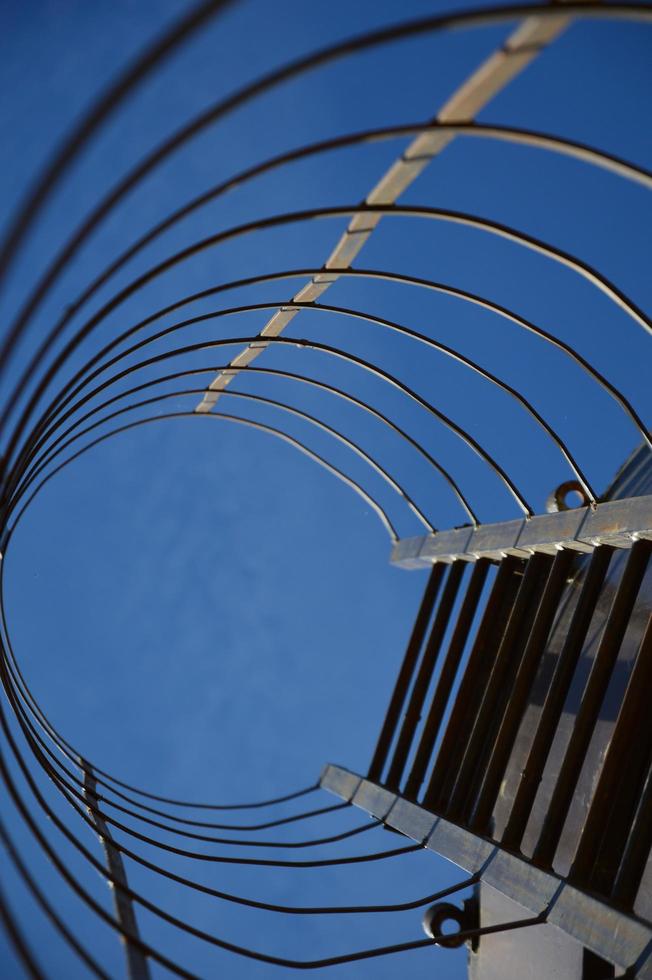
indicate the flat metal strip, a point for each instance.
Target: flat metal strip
{"x":618,"y":523}
{"x":137,"y":966}
{"x":522,"y":46}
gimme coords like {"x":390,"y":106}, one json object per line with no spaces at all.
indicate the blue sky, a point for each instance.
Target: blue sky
{"x":198,"y":606}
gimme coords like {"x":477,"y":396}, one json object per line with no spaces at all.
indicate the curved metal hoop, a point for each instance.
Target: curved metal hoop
{"x":576,"y":151}
{"x":68,"y":399}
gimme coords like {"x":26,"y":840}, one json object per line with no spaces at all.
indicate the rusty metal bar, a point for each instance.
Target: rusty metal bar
{"x":405,"y":674}
{"x":622,"y":814}
{"x":509,"y":650}
{"x":617,"y":794}
{"x":637,"y":850}
{"x":486,"y":641}
{"x":517,"y":702}
{"x":424,"y":674}
{"x":556,"y":696}
{"x":446,"y":678}
{"x":587,"y":714}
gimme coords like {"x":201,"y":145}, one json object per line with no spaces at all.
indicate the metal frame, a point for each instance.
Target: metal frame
{"x":619,"y":937}
{"x":617,"y":523}
{"x":534,"y":553}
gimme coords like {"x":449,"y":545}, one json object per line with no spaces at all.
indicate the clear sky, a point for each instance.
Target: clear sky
{"x":198,"y":607}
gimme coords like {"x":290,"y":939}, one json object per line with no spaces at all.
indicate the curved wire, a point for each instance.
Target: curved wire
{"x":575,"y":150}
{"x":468,"y":18}
{"x":156,"y":910}
{"x":394,"y":327}
{"x":37,"y":747}
{"x":493,"y":228}
{"x":29,"y":457}
{"x":73,"y":756}
{"x":367,"y":366}
{"x":99,"y":112}
{"x":569,"y":351}
{"x":438,"y":287}
{"x":251,"y":903}
{"x":47,"y":907}
{"x":273,"y":372}
{"x":271,"y":430}
{"x":306,"y":416}
{"x":225,"y":896}
{"x":72,"y":795}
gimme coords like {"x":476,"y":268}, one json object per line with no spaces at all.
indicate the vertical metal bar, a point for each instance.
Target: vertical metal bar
{"x":632,"y":866}
{"x":517,"y":702}
{"x":137,"y":967}
{"x":556,"y":697}
{"x":405,"y":674}
{"x":621,"y":779}
{"x":622,"y":815}
{"x":447,"y":676}
{"x":509,"y":649}
{"x":487,"y":638}
{"x":594,"y":692}
{"x":424,"y":674}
